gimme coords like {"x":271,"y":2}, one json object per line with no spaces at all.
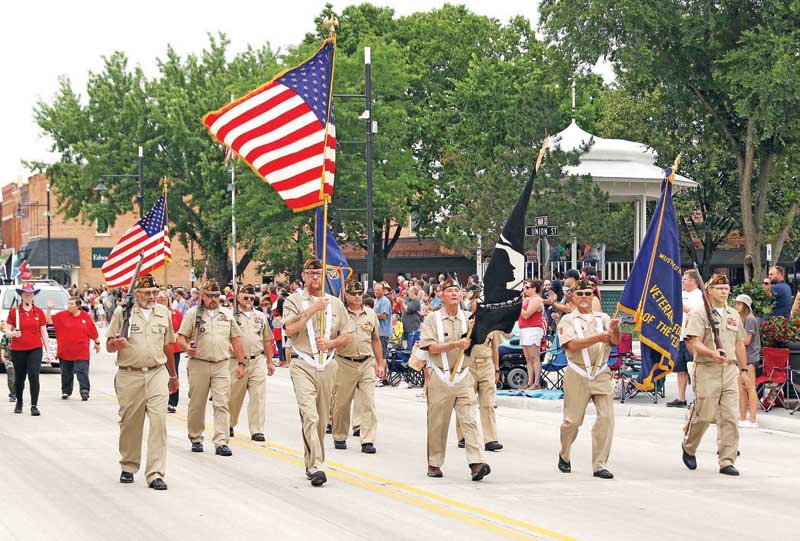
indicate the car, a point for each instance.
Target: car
{"x":48,"y":289}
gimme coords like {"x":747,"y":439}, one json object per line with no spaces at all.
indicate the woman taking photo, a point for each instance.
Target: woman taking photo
{"x":27,"y":329}
{"x":748,"y":398}
{"x":75,"y":330}
{"x":531,"y":329}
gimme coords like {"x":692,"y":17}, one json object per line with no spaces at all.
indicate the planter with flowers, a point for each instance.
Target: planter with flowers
{"x":777,"y":331}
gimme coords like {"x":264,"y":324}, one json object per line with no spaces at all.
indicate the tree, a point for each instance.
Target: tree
{"x":733,"y":62}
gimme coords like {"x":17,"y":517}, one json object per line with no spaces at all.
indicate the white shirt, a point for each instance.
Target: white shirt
{"x":691,"y":300}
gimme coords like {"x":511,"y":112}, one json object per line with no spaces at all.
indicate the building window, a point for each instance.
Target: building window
{"x":101,"y":227}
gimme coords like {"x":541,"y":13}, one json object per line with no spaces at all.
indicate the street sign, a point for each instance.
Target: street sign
{"x":541,"y":230}
{"x":769,"y":252}
{"x":540,"y":220}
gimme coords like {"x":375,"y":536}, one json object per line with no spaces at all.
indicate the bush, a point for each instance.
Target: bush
{"x":762,"y":303}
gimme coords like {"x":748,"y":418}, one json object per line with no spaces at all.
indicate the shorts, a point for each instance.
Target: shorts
{"x":530,"y":336}
{"x":683,"y":358}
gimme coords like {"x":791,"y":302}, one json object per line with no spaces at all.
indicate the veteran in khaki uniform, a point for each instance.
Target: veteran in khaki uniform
{"x":142,"y":382}
{"x":256,"y":340}
{"x":484,"y":366}
{"x":716,"y":377}
{"x":356,"y":368}
{"x":315,"y":322}
{"x":207,"y":334}
{"x":443,"y":336}
{"x":583,"y":335}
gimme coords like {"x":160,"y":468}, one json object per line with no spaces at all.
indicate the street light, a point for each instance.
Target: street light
{"x":20,"y":214}
{"x":101,"y":185}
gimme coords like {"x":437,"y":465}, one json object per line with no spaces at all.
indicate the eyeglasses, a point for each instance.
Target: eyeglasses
{"x":248,"y":297}
{"x":212,"y":295}
{"x":314,"y":274}
{"x":583,"y":293}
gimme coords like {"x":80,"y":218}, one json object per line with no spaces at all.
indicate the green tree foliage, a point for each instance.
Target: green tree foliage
{"x":730,"y":66}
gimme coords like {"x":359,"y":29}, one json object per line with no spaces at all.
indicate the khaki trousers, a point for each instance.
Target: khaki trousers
{"x":358,"y":408}
{"x":578,"y":391}
{"x":140,"y":394}
{"x":716,"y":391}
{"x":313,"y":389}
{"x":254,"y":382}
{"x":350,"y":378}
{"x":482,"y":371}
{"x":442,"y":400}
{"x":205,"y":376}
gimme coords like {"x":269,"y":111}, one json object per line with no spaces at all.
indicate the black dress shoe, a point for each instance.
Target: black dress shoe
{"x":677,"y":404}
{"x":171,"y":409}
{"x":64,"y":396}
{"x":479,"y":471}
{"x":84,"y":396}
{"x":356,"y":431}
{"x":435,"y":471}
{"x":689,"y":460}
{"x":18,"y":407}
{"x":729,"y":470}
{"x":224,"y":450}
{"x":35,"y":411}
{"x":329,"y":429}
{"x":461,"y":444}
{"x":258,"y":436}
{"x":126,"y":477}
{"x":563,"y":465}
{"x":493,"y":446}
{"x":603,"y":474}
{"x":368,"y":448}
{"x":158,"y":484}
{"x":318,"y":478}
{"x":340,"y":444}
{"x":197,"y":446}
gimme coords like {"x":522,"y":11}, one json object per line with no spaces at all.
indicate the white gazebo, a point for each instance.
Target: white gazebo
{"x":624,"y":169}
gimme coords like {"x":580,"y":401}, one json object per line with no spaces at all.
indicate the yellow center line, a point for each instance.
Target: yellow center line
{"x":486,"y":519}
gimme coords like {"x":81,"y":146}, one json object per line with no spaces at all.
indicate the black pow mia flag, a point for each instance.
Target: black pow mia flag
{"x":502,"y":282}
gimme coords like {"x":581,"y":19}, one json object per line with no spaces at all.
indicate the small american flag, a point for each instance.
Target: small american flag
{"x":284,"y":132}
{"x":149,"y":235}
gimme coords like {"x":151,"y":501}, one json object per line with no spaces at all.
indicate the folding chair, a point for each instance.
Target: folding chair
{"x":555,"y":362}
{"x":629,"y":373}
{"x":794,"y":378}
{"x":774,"y":376}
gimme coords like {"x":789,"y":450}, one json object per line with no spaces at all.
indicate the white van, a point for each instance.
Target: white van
{"x":48,"y":289}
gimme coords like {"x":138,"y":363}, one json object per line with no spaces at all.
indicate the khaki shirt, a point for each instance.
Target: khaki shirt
{"x":364,"y":327}
{"x":293,"y":307}
{"x":255,"y":328}
{"x":484,"y":351}
{"x":147,"y":338}
{"x":214,"y":338}
{"x":452,"y":332}
{"x":731,"y":331}
{"x":598,"y":353}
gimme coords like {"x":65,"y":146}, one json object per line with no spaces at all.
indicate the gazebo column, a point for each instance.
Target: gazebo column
{"x":643,"y":220}
{"x":637,"y":228}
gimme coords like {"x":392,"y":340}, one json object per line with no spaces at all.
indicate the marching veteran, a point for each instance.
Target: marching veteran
{"x":316,"y":323}
{"x":142,"y":382}
{"x":257,"y":339}
{"x":356,"y":368}
{"x":443,"y":336}
{"x":717,"y":375}
{"x":208,"y":333}
{"x":583,"y":335}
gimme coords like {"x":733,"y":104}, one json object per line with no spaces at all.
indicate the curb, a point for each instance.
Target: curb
{"x":765,"y":421}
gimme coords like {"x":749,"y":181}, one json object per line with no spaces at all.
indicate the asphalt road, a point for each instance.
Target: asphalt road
{"x":60,"y":480}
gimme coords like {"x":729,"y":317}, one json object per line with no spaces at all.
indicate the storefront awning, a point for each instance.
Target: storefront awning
{"x":62,"y":252}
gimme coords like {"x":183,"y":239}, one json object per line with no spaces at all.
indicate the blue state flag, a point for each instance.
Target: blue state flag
{"x":652,"y":294}
{"x":337,"y":270}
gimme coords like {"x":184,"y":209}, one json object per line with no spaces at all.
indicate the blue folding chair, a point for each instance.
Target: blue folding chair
{"x":555,"y":362}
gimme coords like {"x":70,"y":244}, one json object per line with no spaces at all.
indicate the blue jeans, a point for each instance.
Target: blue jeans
{"x":411,"y":338}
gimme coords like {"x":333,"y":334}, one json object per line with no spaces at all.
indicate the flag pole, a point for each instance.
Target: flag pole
{"x":234,"y":259}
{"x":164,"y":183}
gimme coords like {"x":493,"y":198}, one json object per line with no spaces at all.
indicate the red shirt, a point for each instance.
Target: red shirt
{"x":534,"y":321}
{"x":177,"y":318}
{"x":74,"y":334}
{"x":30,"y":323}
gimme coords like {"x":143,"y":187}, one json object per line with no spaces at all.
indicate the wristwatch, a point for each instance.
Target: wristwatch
{"x":242,"y":363}
{"x":743,"y":370}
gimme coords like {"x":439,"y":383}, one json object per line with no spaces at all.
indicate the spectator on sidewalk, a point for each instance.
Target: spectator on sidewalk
{"x":748,"y":398}
{"x":781,"y":292}
{"x":383,"y":310}
{"x":692,"y":298}
{"x":411,"y":317}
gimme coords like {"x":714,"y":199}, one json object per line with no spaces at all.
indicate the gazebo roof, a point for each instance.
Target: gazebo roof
{"x":624,"y":169}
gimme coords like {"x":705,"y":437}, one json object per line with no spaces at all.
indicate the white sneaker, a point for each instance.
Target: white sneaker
{"x":745,"y":424}
{"x":753,"y":425}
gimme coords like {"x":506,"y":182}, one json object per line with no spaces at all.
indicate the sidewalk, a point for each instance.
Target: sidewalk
{"x":642,"y":406}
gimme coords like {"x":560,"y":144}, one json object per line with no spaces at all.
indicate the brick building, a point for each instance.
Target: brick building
{"x":77,"y":249}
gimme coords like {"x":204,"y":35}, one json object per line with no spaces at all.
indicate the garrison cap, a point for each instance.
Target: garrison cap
{"x":248,"y":289}
{"x":354,"y":287}
{"x":312,"y":263}
{"x":583,"y":283}
{"x":145,"y":281}
{"x":210,"y":285}
{"x":718,"y":280}
{"x":450,"y":282}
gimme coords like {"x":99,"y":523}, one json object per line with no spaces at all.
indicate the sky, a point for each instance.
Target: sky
{"x":48,"y":39}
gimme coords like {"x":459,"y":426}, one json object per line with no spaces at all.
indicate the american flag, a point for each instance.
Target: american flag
{"x":149,"y":235}
{"x":283,"y":132}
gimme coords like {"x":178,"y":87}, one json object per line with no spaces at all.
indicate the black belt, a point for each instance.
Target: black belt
{"x":253,"y":357}
{"x":356,"y":359}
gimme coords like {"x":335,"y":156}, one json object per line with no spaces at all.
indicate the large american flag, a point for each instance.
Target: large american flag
{"x":149,"y":235}
{"x":283,"y":131}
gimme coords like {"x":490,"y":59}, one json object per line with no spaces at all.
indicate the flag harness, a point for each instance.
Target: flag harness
{"x":444,"y":372}
{"x":324,"y":358}
{"x":598,"y":321}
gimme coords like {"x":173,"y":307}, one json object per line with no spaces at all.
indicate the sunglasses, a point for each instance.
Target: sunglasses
{"x":212,"y":295}
{"x":766,"y":282}
{"x":582,"y":293}
{"x":248,"y":297}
